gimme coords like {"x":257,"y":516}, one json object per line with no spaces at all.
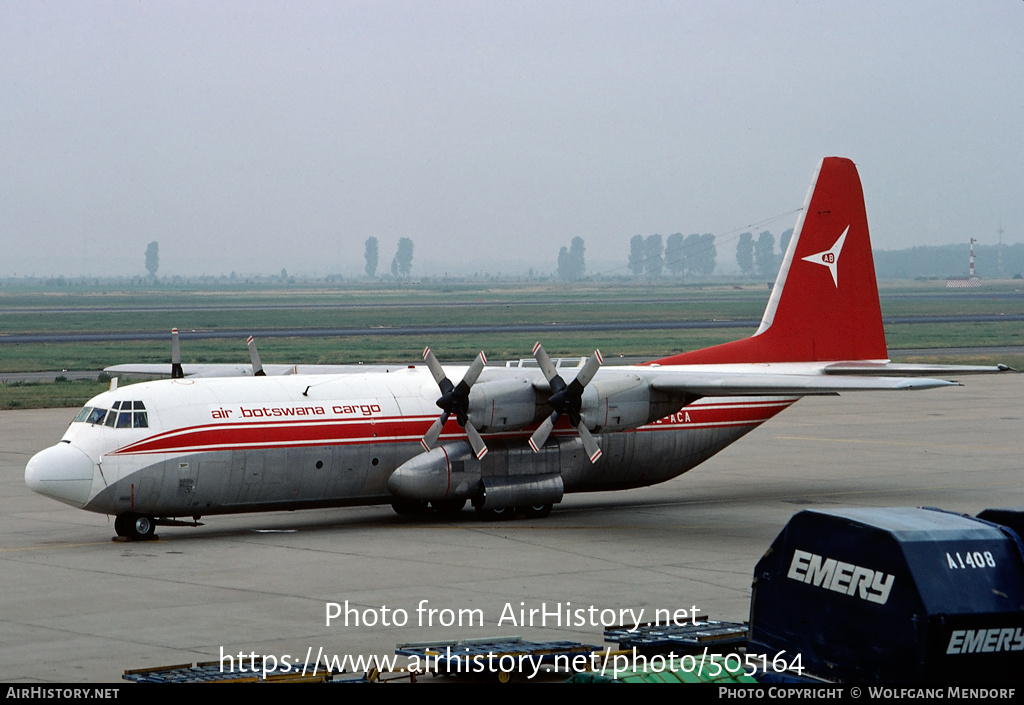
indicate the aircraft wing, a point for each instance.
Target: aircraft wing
{"x":164,"y":370}
{"x":228,"y":370}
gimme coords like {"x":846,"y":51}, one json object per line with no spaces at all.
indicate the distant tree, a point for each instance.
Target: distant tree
{"x":675,"y":255}
{"x":784,"y":239}
{"x":153,"y":258}
{"x":563,"y":264}
{"x":653,"y":261}
{"x":577,"y":258}
{"x":692,"y":247}
{"x":745,"y":253}
{"x":700,"y":254}
{"x":571,"y":261}
{"x":371,"y":255}
{"x":403,"y":257}
{"x":764,"y":254}
{"x":284,"y":274}
{"x":708,"y":255}
{"x":394,"y":267}
{"x":636,"y":255}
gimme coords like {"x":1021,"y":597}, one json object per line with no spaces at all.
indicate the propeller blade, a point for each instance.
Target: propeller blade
{"x":436,"y":371}
{"x":567,"y":399}
{"x":434,"y":432}
{"x":589,"y":444}
{"x":546,"y":366}
{"x":254,"y":356}
{"x":455,"y":400}
{"x":543,"y":431}
{"x":176,"y":371}
{"x":473,"y":373}
{"x":590,"y":368}
{"x":479,"y":447}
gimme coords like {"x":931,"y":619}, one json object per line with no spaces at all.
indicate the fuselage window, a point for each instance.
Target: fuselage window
{"x":83,"y":414}
{"x":124,"y":419}
{"x":141,"y":419}
{"x":96,"y":416}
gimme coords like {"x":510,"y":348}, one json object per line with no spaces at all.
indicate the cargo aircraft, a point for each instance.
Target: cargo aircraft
{"x":510,"y":439}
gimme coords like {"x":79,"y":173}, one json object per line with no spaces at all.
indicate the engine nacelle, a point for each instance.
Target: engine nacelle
{"x":449,"y":471}
{"x":502,"y":405}
{"x":624,"y":402}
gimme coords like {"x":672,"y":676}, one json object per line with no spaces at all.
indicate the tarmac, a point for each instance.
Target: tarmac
{"x":77,"y":607}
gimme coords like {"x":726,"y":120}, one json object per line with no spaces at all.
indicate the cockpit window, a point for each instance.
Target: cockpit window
{"x":96,"y":416}
{"x":123,"y":414}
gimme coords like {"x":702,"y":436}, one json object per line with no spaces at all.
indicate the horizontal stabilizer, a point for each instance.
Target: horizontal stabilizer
{"x":718,"y":384}
{"x":896,"y":369}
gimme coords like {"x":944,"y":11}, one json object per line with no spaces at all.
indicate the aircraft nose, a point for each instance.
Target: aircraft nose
{"x":62,"y":472}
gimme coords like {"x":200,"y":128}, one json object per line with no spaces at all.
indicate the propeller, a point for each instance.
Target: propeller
{"x":454,"y":400}
{"x":254,"y":355}
{"x":567,"y":399}
{"x":176,"y":371}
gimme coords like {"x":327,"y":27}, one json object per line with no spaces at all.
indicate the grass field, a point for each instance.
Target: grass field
{"x":157,"y":310}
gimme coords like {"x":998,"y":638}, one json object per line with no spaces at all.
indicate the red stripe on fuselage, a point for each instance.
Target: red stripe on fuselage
{"x":307,"y":433}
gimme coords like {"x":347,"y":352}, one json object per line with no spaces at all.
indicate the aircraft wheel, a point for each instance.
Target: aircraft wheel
{"x":409,"y":507}
{"x":495,"y":514}
{"x":448,"y":507}
{"x":537,"y":511}
{"x":137,"y":527}
{"x":123,"y":524}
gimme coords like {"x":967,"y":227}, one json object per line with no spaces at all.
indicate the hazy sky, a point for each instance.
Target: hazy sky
{"x":253,"y":136}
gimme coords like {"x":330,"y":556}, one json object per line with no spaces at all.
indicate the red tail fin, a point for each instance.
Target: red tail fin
{"x":824,"y":306}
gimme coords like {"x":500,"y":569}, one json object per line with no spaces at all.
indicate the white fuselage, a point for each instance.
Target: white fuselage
{"x":192,"y":447}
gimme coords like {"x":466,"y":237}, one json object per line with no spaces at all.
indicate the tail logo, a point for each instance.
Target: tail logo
{"x":830,"y":257}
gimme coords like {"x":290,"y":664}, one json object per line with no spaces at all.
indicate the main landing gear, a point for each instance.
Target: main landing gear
{"x":533,"y":511}
{"x":135,"y":527}
{"x":451,"y":509}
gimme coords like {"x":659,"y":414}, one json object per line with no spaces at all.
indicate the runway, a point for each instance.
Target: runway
{"x":77,"y":607}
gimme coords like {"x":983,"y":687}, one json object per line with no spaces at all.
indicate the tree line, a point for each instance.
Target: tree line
{"x":694,"y":254}
{"x":401,"y":263}
{"x":758,"y":256}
